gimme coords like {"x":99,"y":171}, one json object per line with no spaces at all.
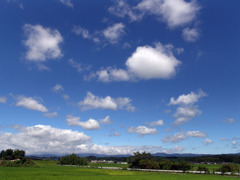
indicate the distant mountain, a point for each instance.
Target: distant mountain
{"x":178,"y":155}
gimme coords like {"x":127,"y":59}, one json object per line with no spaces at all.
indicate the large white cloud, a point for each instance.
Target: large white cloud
{"x":174,"y":12}
{"x":145,"y":63}
{"x":149,"y":63}
{"x":114,"y":32}
{"x":187,"y":99}
{"x":142,"y":130}
{"x":90,"y":124}
{"x":30,"y":103}
{"x":42,"y":139}
{"x":93,"y":102}
{"x":42,"y":43}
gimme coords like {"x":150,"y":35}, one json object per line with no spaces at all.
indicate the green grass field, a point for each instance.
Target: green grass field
{"x":50,"y":170}
{"x":108,"y":165}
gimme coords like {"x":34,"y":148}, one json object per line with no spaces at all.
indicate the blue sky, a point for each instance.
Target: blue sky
{"x":115,"y":77}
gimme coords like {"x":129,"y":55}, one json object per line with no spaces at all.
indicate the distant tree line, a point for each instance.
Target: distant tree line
{"x":147,"y":161}
{"x":14,"y":158}
{"x":227,"y":158}
{"x":10,"y":154}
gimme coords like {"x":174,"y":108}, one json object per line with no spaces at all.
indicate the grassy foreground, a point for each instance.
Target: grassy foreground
{"x":50,"y":170}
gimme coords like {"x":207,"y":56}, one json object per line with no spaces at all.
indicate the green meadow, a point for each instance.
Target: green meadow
{"x":51,"y":170}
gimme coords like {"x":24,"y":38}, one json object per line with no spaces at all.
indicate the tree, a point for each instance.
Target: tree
{"x":73,"y":159}
{"x":137,"y":157}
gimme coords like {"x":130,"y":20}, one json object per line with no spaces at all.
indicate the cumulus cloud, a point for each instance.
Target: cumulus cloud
{"x":177,"y":137}
{"x":91,"y":124}
{"x":106,"y":120}
{"x":196,"y":134}
{"x":187,"y":109}
{"x":114,"y":32}
{"x":51,"y":115}
{"x":190,"y":35}
{"x":187,"y":99}
{"x":67,"y":3}
{"x":3,"y":99}
{"x":30,"y":103}
{"x":42,"y":139}
{"x":93,"y":102}
{"x":174,"y":12}
{"x":142,"y":130}
{"x":153,"y":63}
{"x":184,"y":114}
{"x":42,"y":43}
{"x":156,"y":123}
{"x":112,"y":74}
{"x":145,"y":63}
{"x":57,"y":88}
{"x":208,"y":141}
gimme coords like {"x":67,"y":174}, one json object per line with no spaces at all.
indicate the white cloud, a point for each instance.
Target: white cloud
{"x":81,"y":31}
{"x":153,"y":63}
{"x":196,"y":134}
{"x":106,"y":120}
{"x":114,"y":32}
{"x":3,"y":99}
{"x":121,"y":9}
{"x":58,"y":88}
{"x":91,"y":124}
{"x":178,"y":12}
{"x":142,"y":130}
{"x":174,"y":12}
{"x":30,"y":103}
{"x":75,"y":65}
{"x":65,"y":97}
{"x":186,"y":113}
{"x":188,"y":99}
{"x":145,"y":63}
{"x":51,"y":115}
{"x":156,"y":123}
{"x":42,"y":43}
{"x":234,"y":143}
{"x":93,"y":102}
{"x":190,"y":35}
{"x":42,"y":139}
{"x":208,"y":141}
{"x":230,"y":120}
{"x":177,"y":137}
{"x":174,"y":150}
{"x":67,"y":3}
{"x":111,"y":74}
